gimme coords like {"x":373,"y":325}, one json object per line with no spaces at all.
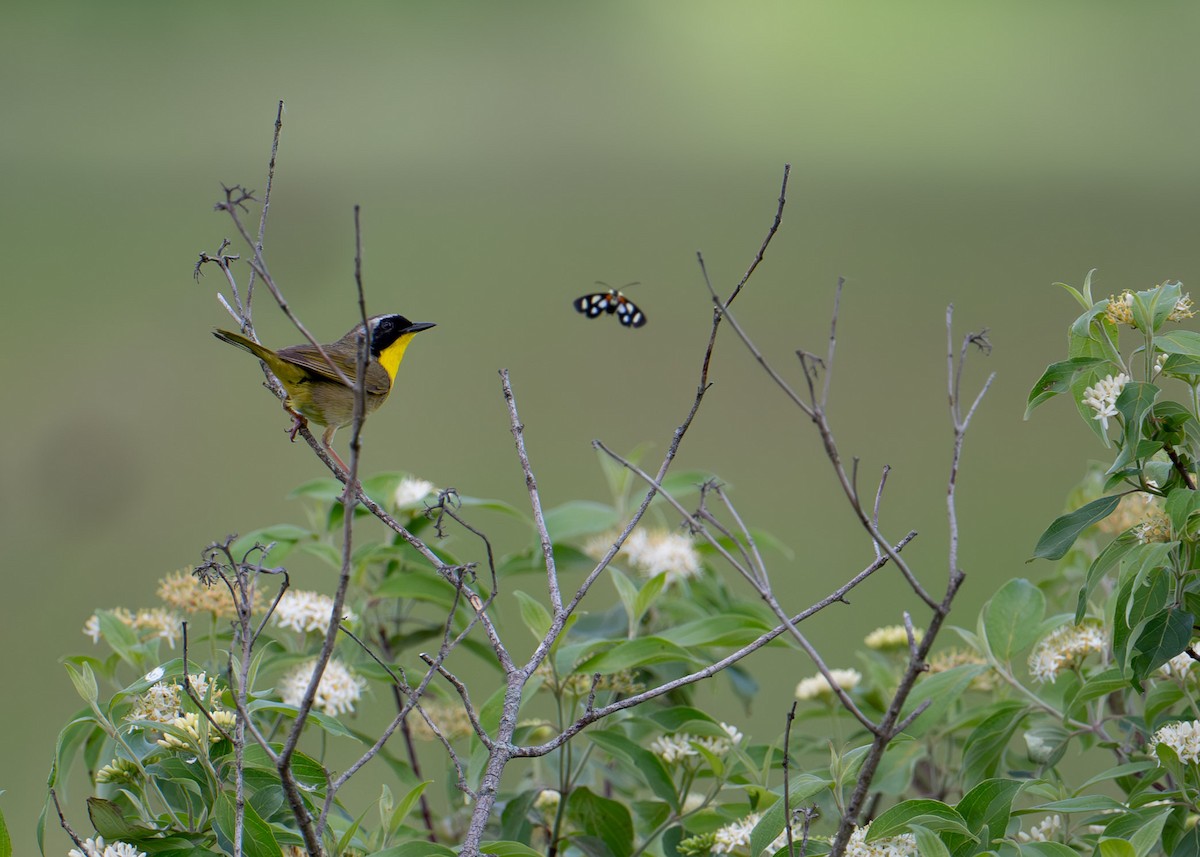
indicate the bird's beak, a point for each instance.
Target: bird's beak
{"x":419,"y":325}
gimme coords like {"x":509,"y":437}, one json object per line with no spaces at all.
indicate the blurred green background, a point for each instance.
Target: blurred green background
{"x":506,"y":156}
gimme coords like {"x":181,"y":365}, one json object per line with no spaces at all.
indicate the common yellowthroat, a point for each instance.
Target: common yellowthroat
{"x":314,"y":390}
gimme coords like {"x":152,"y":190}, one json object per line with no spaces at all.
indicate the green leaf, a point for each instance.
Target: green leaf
{"x":1148,"y":835}
{"x":1164,"y":636}
{"x":257,"y":838}
{"x":1138,"y":599}
{"x":1116,"y":848}
{"x":415,"y":849}
{"x":607,"y":820}
{"x":509,"y":849}
{"x":326,"y":490}
{"x":929,"y":844}
{"x":1184,"y":365}
{"x":283,"y":536}
{"x":639,"y":652}
{"x":933,"y":814}
{"x":1057,"y":379}
{"x":1083,"y":803}
{"x":941,"y":690}
{"x":419,"y":585}
{"x":988,"y":805}
{"x":800,"y":790}
{"x":1047,"y":849}
{"x":85,"y":683}
{"x":627,"y":591}
{"x":5,"y":839}
{"x":1182,"y":504}
{"x":111,"y":823}
{"x":645,"y":764}
{"x":1061,"y":534}
{"x":1098,"y":685}
{"x":719,"y":630}
{"x":327,"y":722}
{"x":1084,"y":298}
{"x":535,"y":616}
{"x":1109,"y":557}
{"x":983,"y":750}
{"x":1185,"y":342}
{"x":1011,"y":618}
{"x":405,"y":807}
{"x":579,"y":518}
{"x":121,"y":638}
{"x":1135,"y":400}
{"x":1126,"y":770}
{"x":646,"y":596}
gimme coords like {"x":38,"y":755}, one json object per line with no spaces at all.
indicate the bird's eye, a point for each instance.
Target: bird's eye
{"x":386,"y":324}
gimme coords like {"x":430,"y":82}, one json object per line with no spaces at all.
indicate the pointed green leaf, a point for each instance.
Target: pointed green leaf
{"x":1061,"y":534}
{"x":941,"y":690}
{"x":1057,"y":379}
{"x":257,"y":838}
{"x":640,"y":652}
{"x":647,"y":765}
{"x":607,"y":820}
{"x":934,"y":813}
{"x":1109,"y":557}
{"x":535,"y":616}
{"x":801,"y":790}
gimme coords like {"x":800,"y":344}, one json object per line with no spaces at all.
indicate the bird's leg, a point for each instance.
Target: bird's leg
{"x":298,"y":422}
{"x":327,"y":442}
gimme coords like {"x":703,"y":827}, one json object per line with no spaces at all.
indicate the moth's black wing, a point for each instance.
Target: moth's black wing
{"x":628,"y":312}
{"x":595,"y":304}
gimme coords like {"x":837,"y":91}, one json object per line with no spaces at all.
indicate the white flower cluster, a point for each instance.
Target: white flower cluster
{"x":1178,"y":666}
{"x":161,"y":701}
{"x":904,"y":845}
{"x":1064,"y":647}
{"x":547,"y":801}
{"x":1044,"y":831}
{"x":681,"y":745}
{"x":817,"y":686}
{"x":734,"y":834}
{"x":891,"y":637}
{"x":661,"y":552}
{"x":412,"y":491}
{"x":1182,"y":737}
{"x":97,"y":848}
{"x":1102,"y":397}
{"x":336,"y":694}
{"x":306,"y":611}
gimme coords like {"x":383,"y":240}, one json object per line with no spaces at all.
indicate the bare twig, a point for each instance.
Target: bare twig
{"x":535,"y":500}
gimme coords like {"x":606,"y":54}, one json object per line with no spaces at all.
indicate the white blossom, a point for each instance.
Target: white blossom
{"x":817,"y":686}
{"x":97,"y":848}
{"x":337,"y":692}
{"x":904,"y":845}
{"x":1044,"y":831}
{"x":412,"y":491}
{"x":1182,"y":737}
{"x":304,"y":611}
{"x":734,"y":834}
{"x":1064,"y":647}
{"x":1102,"y":397}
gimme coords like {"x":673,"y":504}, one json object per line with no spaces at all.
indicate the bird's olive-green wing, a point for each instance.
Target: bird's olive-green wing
{"x":309,"y":358}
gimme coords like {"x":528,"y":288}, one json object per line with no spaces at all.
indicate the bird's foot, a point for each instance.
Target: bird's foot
{"x":298,"y":422}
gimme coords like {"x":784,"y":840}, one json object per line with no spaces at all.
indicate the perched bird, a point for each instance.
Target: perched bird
{"x":314,"y":390}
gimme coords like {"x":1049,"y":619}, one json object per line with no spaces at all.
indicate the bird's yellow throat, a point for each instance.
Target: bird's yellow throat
{"x":391,"y":356}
